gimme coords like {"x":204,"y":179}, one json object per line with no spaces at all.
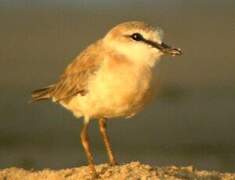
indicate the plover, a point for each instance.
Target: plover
{"x":110,"y":78}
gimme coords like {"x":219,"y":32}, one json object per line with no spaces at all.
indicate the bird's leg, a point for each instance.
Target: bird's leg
{"x":86,"y":146}
{"x":102,"y":126}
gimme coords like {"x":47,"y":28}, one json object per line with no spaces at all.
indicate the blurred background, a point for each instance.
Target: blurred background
{"x":191,"y":122}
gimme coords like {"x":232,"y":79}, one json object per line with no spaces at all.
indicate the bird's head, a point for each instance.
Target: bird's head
{"x":139,"y":42}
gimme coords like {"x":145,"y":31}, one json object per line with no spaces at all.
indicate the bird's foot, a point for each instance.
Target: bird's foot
{"x":113,"y":162}
{"x":94,"y":174}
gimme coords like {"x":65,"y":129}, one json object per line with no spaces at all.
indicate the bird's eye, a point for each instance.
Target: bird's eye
{"x":137,"y":37}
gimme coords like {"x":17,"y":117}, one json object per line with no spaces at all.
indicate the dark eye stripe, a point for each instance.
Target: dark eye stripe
{"x":139,"y":37}
{"x":153,"y":44}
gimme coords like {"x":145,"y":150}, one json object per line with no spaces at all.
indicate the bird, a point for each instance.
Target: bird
{"x":111,"y":78}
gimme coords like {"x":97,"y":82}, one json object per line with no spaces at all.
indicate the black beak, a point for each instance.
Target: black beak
{"x":164,"y":48}
{"x":169,"y":50}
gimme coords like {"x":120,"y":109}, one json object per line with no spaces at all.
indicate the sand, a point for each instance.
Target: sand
{"x":129,"y":171}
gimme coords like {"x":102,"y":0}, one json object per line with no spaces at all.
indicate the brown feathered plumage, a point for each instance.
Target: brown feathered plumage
{"x":74,"y":80}
{"x":111,"y":78}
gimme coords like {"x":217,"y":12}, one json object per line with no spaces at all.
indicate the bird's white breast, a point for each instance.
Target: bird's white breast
{"x":117,"y":89}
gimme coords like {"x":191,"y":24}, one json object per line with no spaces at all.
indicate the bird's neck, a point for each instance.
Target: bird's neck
{"x":139,"y":57}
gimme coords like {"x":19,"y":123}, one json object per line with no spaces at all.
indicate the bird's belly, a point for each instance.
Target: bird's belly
{"x":112,"y":95}
{"x":114,"y":104}
{"x":119,"y":94}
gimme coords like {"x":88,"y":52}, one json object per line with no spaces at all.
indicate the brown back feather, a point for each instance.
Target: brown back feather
{"x":75,"y":78}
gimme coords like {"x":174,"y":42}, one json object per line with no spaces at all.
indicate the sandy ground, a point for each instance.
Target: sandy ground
{"x":130,"y":171}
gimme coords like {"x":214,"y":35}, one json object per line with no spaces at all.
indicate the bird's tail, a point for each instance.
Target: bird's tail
{"x":42,"y":94}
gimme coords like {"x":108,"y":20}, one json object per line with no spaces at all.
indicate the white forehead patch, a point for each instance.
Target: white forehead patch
{"x":160,"y":33}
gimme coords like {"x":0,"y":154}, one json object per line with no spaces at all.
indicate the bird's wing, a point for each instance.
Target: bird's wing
{"x":76,"y":76}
